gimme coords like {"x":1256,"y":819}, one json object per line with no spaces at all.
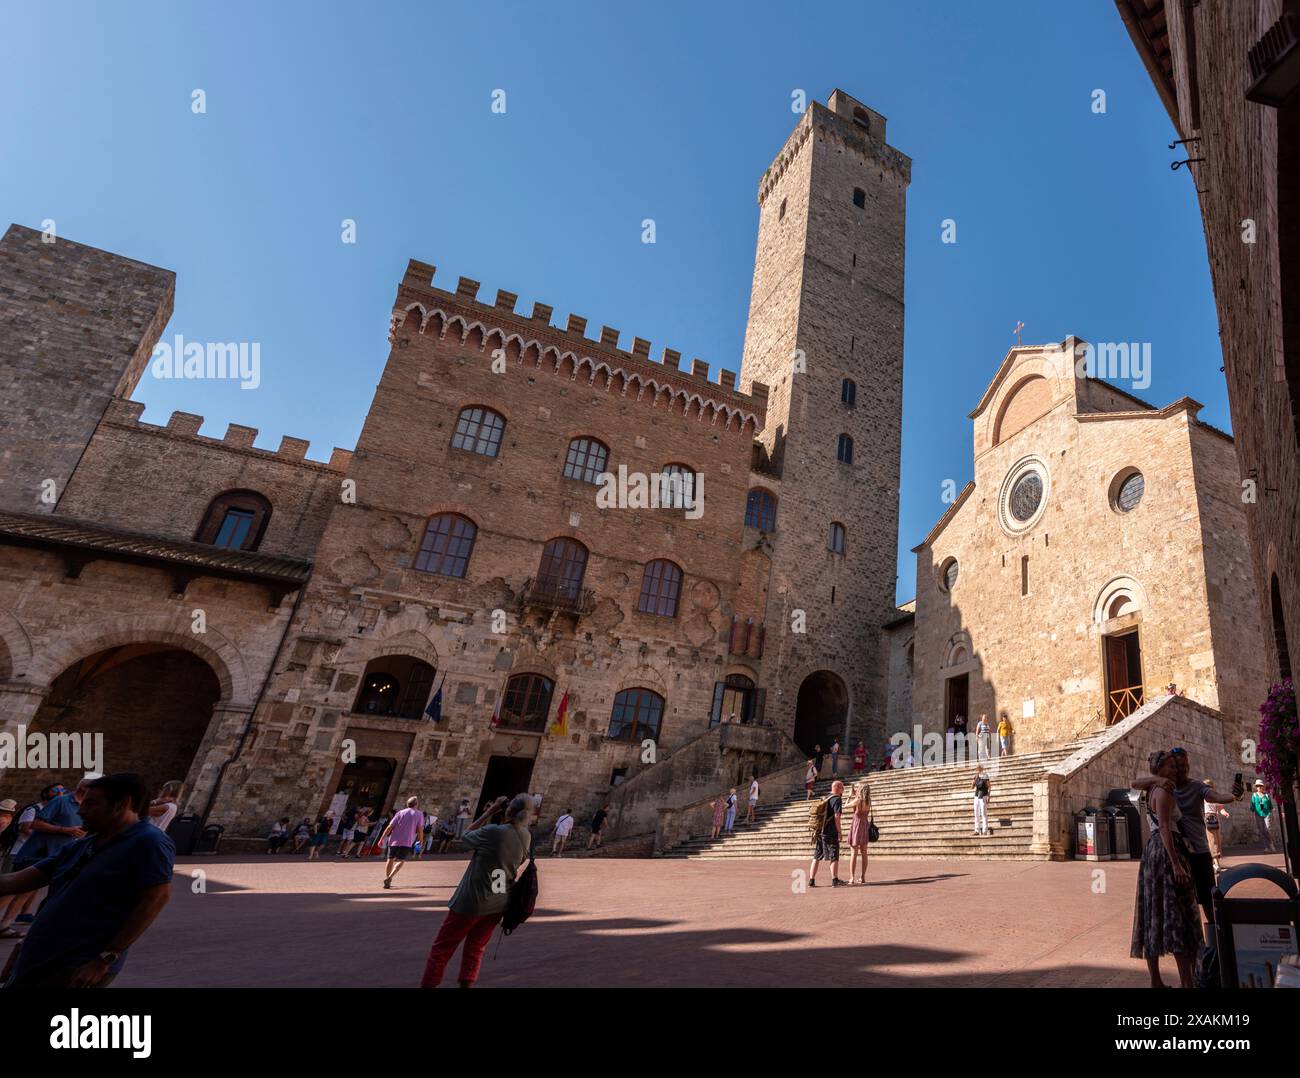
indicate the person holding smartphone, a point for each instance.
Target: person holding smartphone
{"x":1192,"y":796}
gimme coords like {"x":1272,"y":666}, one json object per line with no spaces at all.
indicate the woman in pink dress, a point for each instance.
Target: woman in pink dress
{"x":719,"y":805}
{"x":860,"y":833}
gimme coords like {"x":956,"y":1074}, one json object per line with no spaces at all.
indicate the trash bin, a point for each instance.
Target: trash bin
{"x":1117,"y":825}
{"x":210,"y":839}
{"x":184,"y":831}
{"x":1125,"y":802}
{"x":1091,"y":836}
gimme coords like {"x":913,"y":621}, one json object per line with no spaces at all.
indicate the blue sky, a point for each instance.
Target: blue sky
{"x":1066,"y":219}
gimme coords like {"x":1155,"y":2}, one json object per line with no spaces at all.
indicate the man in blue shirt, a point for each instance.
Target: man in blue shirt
{"x":57,"y":824}
{"x":105,"y":890}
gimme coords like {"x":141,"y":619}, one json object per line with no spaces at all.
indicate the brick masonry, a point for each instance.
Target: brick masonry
{"x":1249,"y":190}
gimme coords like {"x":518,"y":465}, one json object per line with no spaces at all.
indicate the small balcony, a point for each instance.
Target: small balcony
{"x":545,"y":593}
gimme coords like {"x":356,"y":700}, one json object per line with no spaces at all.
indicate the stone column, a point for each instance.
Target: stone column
{"x":19,"y":702}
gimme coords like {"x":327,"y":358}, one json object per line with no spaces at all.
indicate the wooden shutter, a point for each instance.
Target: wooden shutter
{"x":716,"y":716}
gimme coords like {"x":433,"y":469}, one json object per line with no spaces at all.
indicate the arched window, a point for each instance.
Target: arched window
{"x":447,"y":544}
{"x":835,"y":542}
{"x":397,"y":686}
{"x":479,"y":430}
{"x":638,"y":714}
{"x":849,"y":393}
{"x":845,"y":451}
{"x":527,"y":703}
{"x":564,"y":563}
{"x":677,"y":487}
{"x":586,"y":460}
{"x":661,"y":584}
{"x":236,"y":520}
{"x":760,"y":510}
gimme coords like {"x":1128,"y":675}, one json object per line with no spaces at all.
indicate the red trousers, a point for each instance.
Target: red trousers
{"x":475,"y":931}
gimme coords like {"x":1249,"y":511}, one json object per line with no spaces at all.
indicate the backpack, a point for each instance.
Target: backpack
{"x":817,"y":816}
{"x":522,"y":899}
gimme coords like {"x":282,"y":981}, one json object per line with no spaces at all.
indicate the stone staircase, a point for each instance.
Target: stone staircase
{"x":922,"y":812}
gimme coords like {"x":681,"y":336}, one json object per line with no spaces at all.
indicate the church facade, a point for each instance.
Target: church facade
{"x":1098,"y":556}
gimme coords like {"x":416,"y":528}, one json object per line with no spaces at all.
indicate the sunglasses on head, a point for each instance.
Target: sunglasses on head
{"x":1177,"y":752}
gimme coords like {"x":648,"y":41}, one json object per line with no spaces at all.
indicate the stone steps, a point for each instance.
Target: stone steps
{"x":922,"y":812}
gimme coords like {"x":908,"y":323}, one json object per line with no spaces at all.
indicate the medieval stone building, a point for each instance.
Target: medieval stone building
{"x":466,"y":605}
{"x":1098,"y":556}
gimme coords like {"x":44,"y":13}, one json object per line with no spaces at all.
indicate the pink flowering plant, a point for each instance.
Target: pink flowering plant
{"x":1279,"y":738}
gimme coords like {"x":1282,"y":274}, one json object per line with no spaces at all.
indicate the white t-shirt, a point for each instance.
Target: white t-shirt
{"x":753,"y":790}
{"x":166,"y":818}
{"x":26,"y":816}
{"x":564,"y":825}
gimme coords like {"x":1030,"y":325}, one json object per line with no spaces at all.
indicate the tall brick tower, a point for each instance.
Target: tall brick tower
{"x":825,"y":332}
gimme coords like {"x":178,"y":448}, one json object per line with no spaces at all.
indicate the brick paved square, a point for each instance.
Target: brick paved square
{"x":655,"y":923}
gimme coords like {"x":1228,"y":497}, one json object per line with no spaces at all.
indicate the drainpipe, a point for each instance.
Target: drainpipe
{"x":261,"y":693}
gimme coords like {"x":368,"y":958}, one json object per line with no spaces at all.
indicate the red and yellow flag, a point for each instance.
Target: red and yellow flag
{"x":560,"y":727}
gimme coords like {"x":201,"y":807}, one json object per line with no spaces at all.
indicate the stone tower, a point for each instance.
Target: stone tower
{"x":825,"y":332}
{"x":77,"y":327}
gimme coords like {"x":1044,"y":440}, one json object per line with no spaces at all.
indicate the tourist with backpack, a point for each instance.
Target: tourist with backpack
{"x":753,"y":798}
{"x":730,"y":825}
{"x":481,"y":900}
{"x":824,"y":822}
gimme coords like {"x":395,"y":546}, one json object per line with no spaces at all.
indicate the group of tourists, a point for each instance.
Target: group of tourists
{"x":85,"y":872}
{"x":564,"y":828}
{"x":363,"y":832}
{"x":726,"y":806}
{"x":956,"y":743}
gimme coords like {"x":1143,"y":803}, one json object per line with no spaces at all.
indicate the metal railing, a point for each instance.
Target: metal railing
{"x":551,"y":594}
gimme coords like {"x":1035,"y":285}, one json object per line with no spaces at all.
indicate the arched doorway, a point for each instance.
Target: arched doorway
{"x":821,"y":711}
{"x":150,"y":702}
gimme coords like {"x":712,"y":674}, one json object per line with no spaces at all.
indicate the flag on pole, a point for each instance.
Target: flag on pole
{"x":560,"y":727}
{"x":496,"y":712}
{"x":434,"y":708}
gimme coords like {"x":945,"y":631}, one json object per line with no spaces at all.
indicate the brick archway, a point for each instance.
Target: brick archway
{"x":144,"y":707}
{"x":224,"y":659}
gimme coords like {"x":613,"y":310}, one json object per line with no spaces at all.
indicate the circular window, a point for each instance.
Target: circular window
{"x":1023,"y":496}
{"x":1026,"y":496}
{"x":1127,"y":491}
{"x":948,"y":574}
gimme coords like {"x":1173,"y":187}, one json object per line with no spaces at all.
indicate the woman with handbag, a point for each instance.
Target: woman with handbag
{"x":1165,"y":920}
{"x":860,"y":833}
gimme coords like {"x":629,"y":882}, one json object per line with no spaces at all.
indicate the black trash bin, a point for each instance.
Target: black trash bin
{"x":184,"y":831}
{"x":1118,"y":826}
{"x":210,"y":839}
{"x":1125,"y":804}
